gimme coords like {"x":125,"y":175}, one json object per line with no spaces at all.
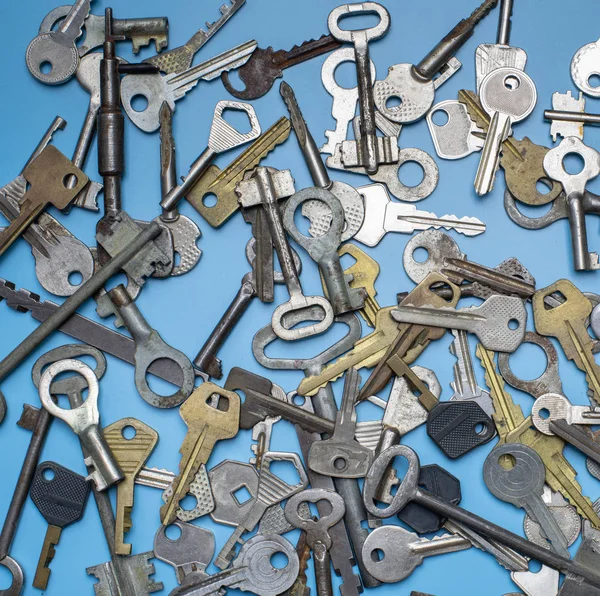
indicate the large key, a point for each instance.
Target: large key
{"x":52,"y":58}
{"x":206,"y":425}
{"x":131,"y":453}
{"x":47,"y":175}
{"x":567,"y":322}
{"x":508,"y":95}
{"x":60,"y":495}
{"x":157,"y":88}
{"x":382,"y":215}
{"x":522,"y":485}
{"x":414,"y":85}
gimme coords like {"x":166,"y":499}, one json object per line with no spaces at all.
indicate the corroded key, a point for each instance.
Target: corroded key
{"x":131,"y":453}
{"x":206,"y":425}
{"x":568,"y":323}
{"x":220,"y":184}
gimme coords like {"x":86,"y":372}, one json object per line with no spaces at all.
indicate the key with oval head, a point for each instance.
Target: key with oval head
{"x":60,"y":496}
{"x":317,"y":535}
{"x":515,"y":473}
{"x":508,"y":95}
{"x":131,"y":453}
{"x":57,"y":50}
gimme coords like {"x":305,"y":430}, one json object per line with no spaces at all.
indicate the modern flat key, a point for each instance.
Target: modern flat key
{"x":57,"y":50}
{"x":584,"y":68}
{"x":382,"y":215}
{"x":499,"y":321}
{"x":180,"y":59}
{"x":522,"y":485}
{"x":265,"y":66}
{"x":508,"y":95}
{"x":554,"y":406}
{"x":157,"y":88}
{"x":60,"y":496}
{"x":414,"y":85}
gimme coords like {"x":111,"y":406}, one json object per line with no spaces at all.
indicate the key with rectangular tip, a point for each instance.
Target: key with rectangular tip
{"x":60,"y":496}
{"x":48,"y":176}
{"x":131,"y":453}
{"x":508,"y":95}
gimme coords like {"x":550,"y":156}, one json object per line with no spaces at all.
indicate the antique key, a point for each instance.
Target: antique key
{"x":131,"y":453}
{"x":206,"y":425}
{"x":60,"y":495}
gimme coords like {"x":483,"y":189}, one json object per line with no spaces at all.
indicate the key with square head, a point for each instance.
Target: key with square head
{"x":508,"y":95}
{"x":415,"y":85}
{"x":58,"y":48}
{"x":382,"y":215}
{"x":60,"y":496}
{"x":567,"y":322}
{"x":206,"y":425}
{"x":48,"y":176}
{"x":131,"y":453}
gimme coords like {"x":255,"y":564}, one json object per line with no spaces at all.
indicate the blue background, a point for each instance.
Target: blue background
{"x":185,"y":309}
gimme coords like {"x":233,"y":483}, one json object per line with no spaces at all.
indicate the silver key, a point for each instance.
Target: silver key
{"x":553,"y":406}
{"x":535,"y":583}
{"x":382,"y":215}
{"x":499,"y":322}
{"x":157,"y":88}
{"x":263,"y":430}
{"x":565,"y":102}
{"x":56,"y":50}
{"x":584,"y":67}
{"x":84,"y":421}
{"x":508,"y":95}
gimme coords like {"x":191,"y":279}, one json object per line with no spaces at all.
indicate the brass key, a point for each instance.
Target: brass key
{"x":206,"y":425}
{"x":568,"y":323}
{"x":48,"y":176}
{"x":131,"y":454}
{"x":222,"y":183}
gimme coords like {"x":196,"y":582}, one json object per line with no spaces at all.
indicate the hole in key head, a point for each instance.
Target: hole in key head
{"x":299,"y":400}
{"x":393,"y":102}
{"x":551,"y":300}
{"x":573,"y":163}
{"x":69,"y":179}
{"x":46,"y":67}
{"x":421,"y":255}
{"x":513,"y":324}
{"x":345,"y":75}
{"x":241,"y":495}
{"x":279,"y":560}
{"x":75,"y":278}
{"x":358,"y":21}
{"x":440,"y":117}
{"x":531,"y":363}
{"x":507,"y":461}
{"x":480,"y":428}
{"x":238,"y":119}
{"x":594,"y":80}
{"x":128,"y":432}
{"x":188,"y":503}
{"x":160,"y":386}
{"x":284,"y":470}
{"x":411,"y":174}
{"x":6,"y":578}
{"x":173,"y":533}
{"x":139,"y":103}
{"x":209,"y":200}
{"x":340,"y":463}
{"x":544,"y":413}
{"x":377,"y":555}
{"x":48,"y":474}
{"x":543,"y":186}
{"x":512,"y":83}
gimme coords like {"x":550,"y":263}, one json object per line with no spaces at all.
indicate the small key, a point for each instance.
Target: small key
{"x":60,"y":495}
{"x":206,"y":425}
{"x":131,"y":454}
{"x":157,"y":88}
{"x":47,"y":175}
{"x":564,"y":115}
{"x":300,"y":586}
{"x":584,"y":67}
{"x":414,"y":85}
{"x":382,"y":215}
{"x":57,"y":50}
{"x":552,"y":407}
{"x":180,"y":59}
{"x":499,"y":322}
{"x":85,"y":422}
{"x":508,"y":95}
{"x":265,"y":66}
{"x":401,"y":552}
{"x":317,"y":534}
{"x":521,"y":482}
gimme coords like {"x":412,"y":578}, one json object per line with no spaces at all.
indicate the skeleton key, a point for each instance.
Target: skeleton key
{"x":265,"y":66}
{"x":179,"y":59}
{"x":60,"y":495}
{"x":206,"y":425}
{"x":567,"y":322}
{"x":131,"y":454}
{"x":47,"y":175}
{"x":58,"y":48}
{"x":341,"y":456}
{"x":157,"y":88}
{"x":564,"y":115}
{"x":508,"y":95}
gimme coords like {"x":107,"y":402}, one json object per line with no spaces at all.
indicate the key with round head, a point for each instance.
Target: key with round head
{"x":409,"y":491}
{"x":515,"y":474}
{"x":60,"y":496}
{"x":584,"y":67}
{"x":552,"y":407}
{"x":508,"y":95}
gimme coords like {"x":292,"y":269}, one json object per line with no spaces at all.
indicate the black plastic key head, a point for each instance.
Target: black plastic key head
{"x":59,"y":494}
{"x":436,"y":480}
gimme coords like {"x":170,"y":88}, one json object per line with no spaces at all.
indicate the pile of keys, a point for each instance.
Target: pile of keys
{"x":344,"y":478}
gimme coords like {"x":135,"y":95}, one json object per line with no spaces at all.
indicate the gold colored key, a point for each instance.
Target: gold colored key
{"x":48,"y":176}
{"x":131,"y":453}
{"x":568,"y":323}
{"x":522,"y":161}
{"x":222,"y":183}
{"x":206,"y":425}
{"x":364,"y":272}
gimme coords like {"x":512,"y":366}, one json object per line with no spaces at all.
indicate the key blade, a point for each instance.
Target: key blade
{"x":415,"y":220}
{"x":42,"y":572}
{"x":72,"y":25}
{"x":437,"y":317}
